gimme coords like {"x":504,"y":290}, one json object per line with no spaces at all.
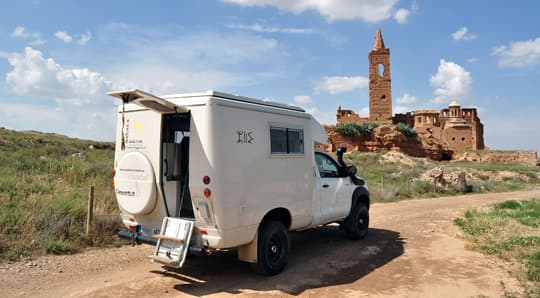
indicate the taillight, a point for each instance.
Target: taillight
{"x":206,"y":180}
{"x":207,"y":192}
{"x":113,"y":175}
{"x":204,"y":232}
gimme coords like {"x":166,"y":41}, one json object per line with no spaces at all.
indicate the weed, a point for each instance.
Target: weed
{"x":43,"y":193}
{"x":55,"y":246}
{"x":533,"y":261}
{"x":406,"y":130}
{"x":508,"y":230}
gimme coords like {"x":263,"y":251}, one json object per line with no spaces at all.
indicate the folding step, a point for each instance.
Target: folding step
{"x":173,"y":242}
{"x":163,"y":237}
{"x":162,"y":260}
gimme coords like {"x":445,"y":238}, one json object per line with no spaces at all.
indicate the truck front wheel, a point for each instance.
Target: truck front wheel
{"x":272,"y":248}
{"x":357,"y":225}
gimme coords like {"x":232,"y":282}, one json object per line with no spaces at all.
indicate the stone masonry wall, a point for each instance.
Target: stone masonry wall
{"x":527,"y":158}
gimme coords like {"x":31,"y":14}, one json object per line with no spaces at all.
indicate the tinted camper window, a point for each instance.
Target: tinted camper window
{"x":286,"y":140}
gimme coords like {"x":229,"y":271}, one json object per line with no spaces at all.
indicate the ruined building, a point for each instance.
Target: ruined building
{"x":455,"y":127}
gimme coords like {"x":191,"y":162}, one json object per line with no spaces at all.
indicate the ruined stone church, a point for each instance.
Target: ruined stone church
{"x":455,"y":127}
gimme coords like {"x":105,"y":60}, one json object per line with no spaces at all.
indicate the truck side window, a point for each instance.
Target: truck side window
{"x":286,"y":140}
{"x":326,"y":165}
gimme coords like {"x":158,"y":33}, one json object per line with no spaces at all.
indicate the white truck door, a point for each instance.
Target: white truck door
{"x":333,"y":189}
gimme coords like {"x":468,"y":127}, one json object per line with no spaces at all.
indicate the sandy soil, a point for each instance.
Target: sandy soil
{"x":412,"y":250}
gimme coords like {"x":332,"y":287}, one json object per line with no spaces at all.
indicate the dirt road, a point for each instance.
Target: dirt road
{"x":412,"y":251}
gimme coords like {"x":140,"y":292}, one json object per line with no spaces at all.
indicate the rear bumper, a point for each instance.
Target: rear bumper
{"x":137,"y":238}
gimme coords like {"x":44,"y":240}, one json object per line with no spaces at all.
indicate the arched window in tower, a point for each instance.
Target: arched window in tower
{"x":381,"y":69}
{"x":383,"y":97}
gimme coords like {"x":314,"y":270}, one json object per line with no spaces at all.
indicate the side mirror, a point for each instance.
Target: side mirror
{"x":351,"y":170}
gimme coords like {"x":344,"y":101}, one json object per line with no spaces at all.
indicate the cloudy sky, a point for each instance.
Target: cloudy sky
{"x":59,"y":58}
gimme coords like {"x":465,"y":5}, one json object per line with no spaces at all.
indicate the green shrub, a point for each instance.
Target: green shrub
{"x":353,"y":128}
{"x":366,"y":129}
{"x":347,"y":129}
{"x":55,"y":246}
{"x":406,"y":130}
{"x":533,"y":272}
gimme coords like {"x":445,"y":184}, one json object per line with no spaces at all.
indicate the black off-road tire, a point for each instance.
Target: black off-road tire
{"x":357,"y":225}
{"x":272,"y":248}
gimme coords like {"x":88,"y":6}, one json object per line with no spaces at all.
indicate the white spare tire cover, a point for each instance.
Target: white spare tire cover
{"x":135,"y":184}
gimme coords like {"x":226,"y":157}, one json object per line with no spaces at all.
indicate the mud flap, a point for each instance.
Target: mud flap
{"x":248,"y":252}
{"x":173,"y":242}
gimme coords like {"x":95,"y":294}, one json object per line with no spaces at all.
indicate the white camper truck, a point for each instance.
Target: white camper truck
{"x":204,"y":171}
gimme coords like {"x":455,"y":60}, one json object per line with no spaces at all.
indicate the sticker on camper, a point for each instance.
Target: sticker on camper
{"x":244,"y":137}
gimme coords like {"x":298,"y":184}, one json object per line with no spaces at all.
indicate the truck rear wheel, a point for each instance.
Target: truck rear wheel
{"x":357,"y":225}
{"x":272,"y":248}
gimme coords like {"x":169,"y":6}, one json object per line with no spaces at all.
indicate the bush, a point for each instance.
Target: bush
{"x":353,"y":128}
{"x":366,"y":129}
{"x":406,"y":130}
{"x":54,"y":246}
{"x":347,"y":129}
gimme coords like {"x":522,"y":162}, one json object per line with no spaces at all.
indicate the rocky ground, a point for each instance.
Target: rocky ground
{"x":451,"y":174}
{"x":413,"y":250}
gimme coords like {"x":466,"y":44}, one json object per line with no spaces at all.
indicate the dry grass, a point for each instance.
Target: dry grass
{"x":44,"y":182}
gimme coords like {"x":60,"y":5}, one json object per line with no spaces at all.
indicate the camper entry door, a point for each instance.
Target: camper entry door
{"x":175,"y":164}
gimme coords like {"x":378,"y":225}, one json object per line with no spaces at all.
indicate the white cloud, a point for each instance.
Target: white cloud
{"x":302,"y":99}
{"x":364,"y":112}
{"x":406,"y":99}
{"x":472,"y":60}
{"x":400,"y":109}
{"x":64,"y":36}
{"x":85,"y":38}
{"x":20,"y":32}
{"x":401,"y":15}
{"x":75,"y":101}
{"x":80,"y":122}
{"x":463,"y":34}
{"x":37,"y":76}
{"x":371,"y":11}
{"x":518,"y":53}
{"x":452,"y":81}
{"x":335,"y":85}
{"x":326,"y":117}
{"x":271,"y":29}
{"x":189,"y":63}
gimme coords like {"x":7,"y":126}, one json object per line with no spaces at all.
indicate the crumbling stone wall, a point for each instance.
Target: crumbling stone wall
{"x":349,"y":116}
{"x":387,"y":137}
{"x":523,"y":157}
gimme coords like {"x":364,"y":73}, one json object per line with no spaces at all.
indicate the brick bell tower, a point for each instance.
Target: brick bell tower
{"x":380,"y":89}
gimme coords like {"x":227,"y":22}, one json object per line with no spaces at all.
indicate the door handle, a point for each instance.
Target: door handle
{"x":325,"y":185}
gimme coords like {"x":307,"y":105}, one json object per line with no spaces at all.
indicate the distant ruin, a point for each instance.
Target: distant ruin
{"x":439,"y":132}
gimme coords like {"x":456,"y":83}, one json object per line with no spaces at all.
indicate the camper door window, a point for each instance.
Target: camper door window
{"x":285,"y":140}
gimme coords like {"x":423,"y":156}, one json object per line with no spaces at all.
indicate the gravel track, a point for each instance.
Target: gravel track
{"x":412,"y":250}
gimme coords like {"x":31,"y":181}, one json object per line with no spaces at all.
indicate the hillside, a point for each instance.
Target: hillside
{"x":44,"y":182}
{"x":393,"y":176}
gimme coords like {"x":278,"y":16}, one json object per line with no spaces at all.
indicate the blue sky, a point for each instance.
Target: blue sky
{"x":59,"y":58}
